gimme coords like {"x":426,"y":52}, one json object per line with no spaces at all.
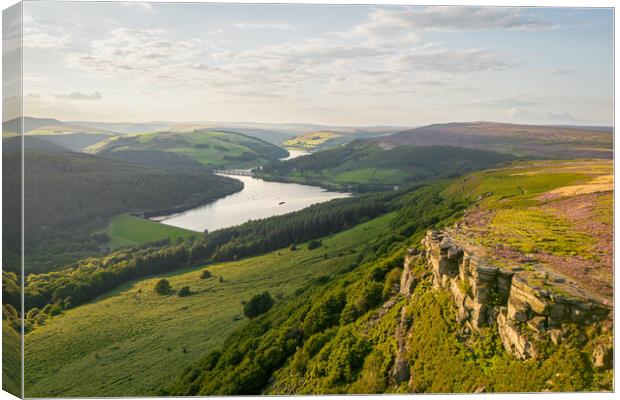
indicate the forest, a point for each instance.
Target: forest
{"x":70,"y":195}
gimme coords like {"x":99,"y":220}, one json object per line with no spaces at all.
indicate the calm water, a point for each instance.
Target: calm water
{"x":258,"y":199}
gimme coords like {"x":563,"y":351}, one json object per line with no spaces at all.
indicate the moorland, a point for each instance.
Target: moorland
{"x":470,"y":257}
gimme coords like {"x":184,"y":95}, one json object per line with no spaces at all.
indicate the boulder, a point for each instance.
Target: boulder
{"x":603,"y":354}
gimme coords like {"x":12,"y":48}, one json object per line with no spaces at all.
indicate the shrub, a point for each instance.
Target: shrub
{"x":163,"y":286}
{"x":101,"y":237}
{"x":55,"y":310}
{"x":206,"y":274}
{"x":392,"y":283}
{"x":184,"y":291}
{"x":314,"y":244}
{"x":259,"y":304}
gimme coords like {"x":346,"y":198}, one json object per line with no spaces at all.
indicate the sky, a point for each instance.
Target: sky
{"x":335,"y":65}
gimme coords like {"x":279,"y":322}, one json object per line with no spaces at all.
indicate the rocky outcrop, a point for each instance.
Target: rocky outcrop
{"x":408,"y":279}
{"x":523,"y":307}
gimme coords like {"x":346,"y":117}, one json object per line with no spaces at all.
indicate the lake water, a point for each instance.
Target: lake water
{"x":258,"y":199}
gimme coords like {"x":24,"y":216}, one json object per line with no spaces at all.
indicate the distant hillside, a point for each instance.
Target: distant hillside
{"x":125,"y":127}
{"x":212,"y":149}
{"x":69,"y":195}
{"x":520,"y":140}
{"x":30,"y":143}
{"x":75,"y":142}
{"x":325,"y":139}
{"x":317,"y":140}
{"x":363,"y":165}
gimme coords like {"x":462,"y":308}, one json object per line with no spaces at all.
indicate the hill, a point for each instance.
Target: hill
{"x":447,"y":318}
{"x":119,"y":343}
{"x":70,"y":195}
{"x":317,"y":140}
{"x":373,"y":309}
{"x":364,"y":165}
{"x":550,"y":142}
{"x":215,"y":150}
{"x":75,"y":142}
{"x":15,"y":143}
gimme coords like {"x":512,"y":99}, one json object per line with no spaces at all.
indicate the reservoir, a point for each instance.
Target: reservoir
{"x":258,"y":199}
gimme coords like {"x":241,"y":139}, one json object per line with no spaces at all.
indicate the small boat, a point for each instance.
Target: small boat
{"x":282,"y":202}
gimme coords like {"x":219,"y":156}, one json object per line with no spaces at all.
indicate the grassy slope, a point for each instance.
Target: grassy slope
{"x":357,"y":356}
{"x":11,"y":359}
{"x":127,"y":230}
{"x":364,"y":164}
{"x":316,"y":140}
{"x":132,"y":341}
{"x":213,"y":149}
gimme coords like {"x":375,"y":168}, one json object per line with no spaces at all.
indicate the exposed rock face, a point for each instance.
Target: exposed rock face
{"x":603,"y":354}
{"x":487,"y":295}
{"x":408,"y":279}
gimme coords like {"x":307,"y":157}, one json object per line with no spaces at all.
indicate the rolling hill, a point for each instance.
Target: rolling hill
{"x":364,"y":165}
{"x":216,"y":150}
{"x":119,"y":343}
{"x":318,"y":140}
{"x":372,"y":309}
{"x":537,"y":141}
{"x":70,"y":195}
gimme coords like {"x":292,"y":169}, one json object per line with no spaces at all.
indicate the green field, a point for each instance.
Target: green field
{"x":212,"y":149}
{"x":127,"y":230}
{"x":317,"y":140}
{"x":133,"y":341}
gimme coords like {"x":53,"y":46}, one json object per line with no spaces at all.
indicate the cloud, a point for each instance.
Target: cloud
{"x":453,"y":61}
{"x":148,"y":7}
{"x":79,"y":96}
{"x":516,"y":113}
{"x":141,"y":54}
{"x":37,"y":39}
{"x":268,"y":26}
{"x":561,"y":71}
{"x":504,"y":102}
{"x":561,"y":117}
{"x":386,"y":22}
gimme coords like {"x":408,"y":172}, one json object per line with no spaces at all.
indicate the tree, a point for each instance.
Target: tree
{"x":163,"y":286}
{"x":184,"y":291}
{"x":259,"y":304}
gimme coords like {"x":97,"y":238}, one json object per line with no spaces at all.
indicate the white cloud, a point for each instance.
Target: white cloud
{"x":36,"y":39}
{"x":384,"y":22}
{"x":141,"y":5}
{"x":561,"y":117}
{"x":504,"y":102}
{"x":79,"y":96}
{"x":452,"y":61}
{"x":268,"y":26}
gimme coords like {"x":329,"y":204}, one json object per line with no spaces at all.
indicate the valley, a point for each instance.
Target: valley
{"x":349,"y":241}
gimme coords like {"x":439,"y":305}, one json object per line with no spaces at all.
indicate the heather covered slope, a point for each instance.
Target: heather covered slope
{"x":549,"y":142}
